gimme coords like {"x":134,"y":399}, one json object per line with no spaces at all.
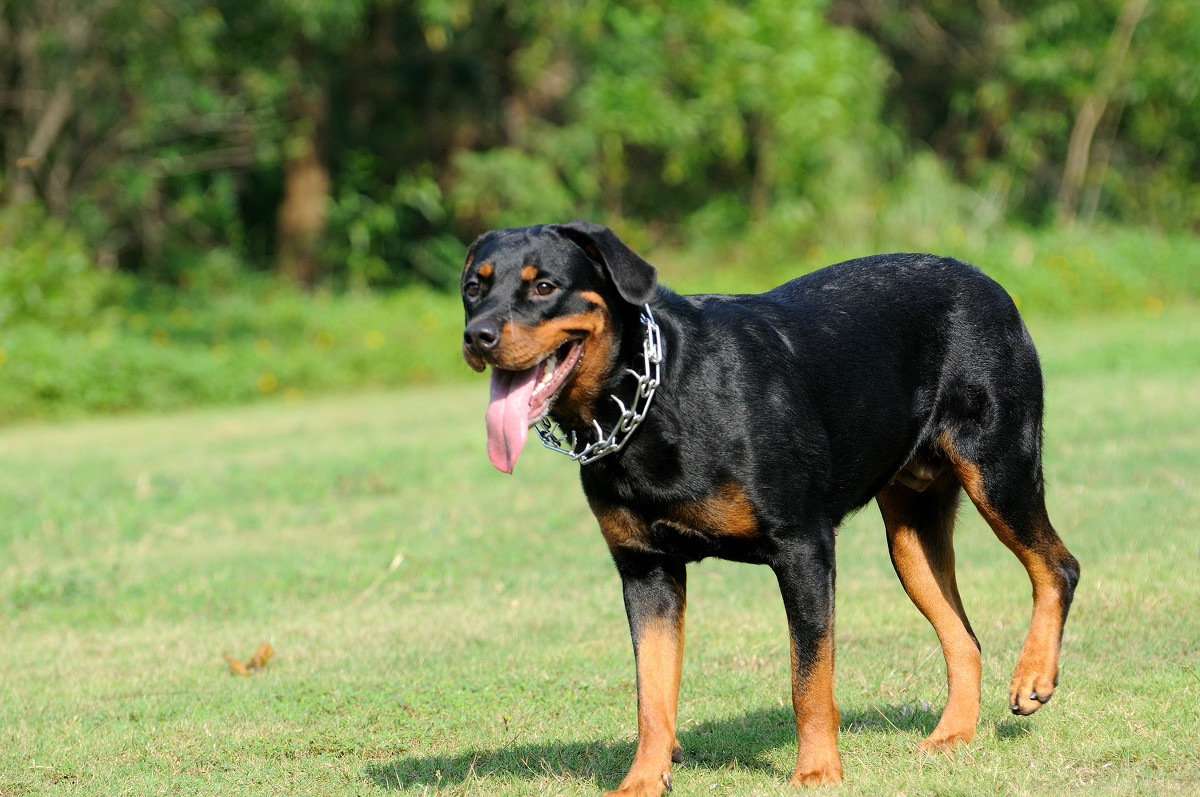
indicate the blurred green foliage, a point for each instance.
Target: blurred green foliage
{"x":47,"y":275}
{"x":261,"y":341}
{"x":157,"y":130}
{"x":997,"y":90}
{"x":274,"y":170}
{"x":257,"y":338}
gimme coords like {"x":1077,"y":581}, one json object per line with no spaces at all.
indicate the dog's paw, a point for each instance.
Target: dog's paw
{"x":943,"y":744}
{"x":810,"y":777}
{"x":1032,"y":687}
{"x":642,"y":786}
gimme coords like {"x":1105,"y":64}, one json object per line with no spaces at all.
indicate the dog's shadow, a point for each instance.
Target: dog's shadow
{"x":741,"y":741}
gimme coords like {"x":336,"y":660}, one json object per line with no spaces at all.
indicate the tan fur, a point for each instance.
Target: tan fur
{"x":727,"y":513}
{"x":924,"y":560}
{"x":818,"y":762}
{"x":523,"y":347}
{"x":659,"y":666}
{"x":1036,"y":674}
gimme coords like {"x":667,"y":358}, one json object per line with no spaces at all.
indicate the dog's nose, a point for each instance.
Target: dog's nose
{"x":481,"y":336}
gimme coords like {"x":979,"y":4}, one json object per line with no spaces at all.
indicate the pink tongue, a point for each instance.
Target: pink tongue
{"x":508,"y":416}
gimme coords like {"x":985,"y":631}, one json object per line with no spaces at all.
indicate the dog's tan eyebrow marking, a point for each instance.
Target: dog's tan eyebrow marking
{"x":594,"y":298}
{"x":486,"y":270}
{"x":528,"y":273}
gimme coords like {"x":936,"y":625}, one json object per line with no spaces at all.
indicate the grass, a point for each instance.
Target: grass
{"x":442,"y":629}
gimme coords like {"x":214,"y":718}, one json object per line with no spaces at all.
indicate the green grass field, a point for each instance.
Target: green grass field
{"x":443,"y":629}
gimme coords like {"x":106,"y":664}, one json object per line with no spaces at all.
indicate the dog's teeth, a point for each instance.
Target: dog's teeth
{"x":548,"y":367}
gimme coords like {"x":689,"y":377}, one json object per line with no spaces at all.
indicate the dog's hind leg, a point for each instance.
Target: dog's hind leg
{"x":1002,"y":474}
{"x":1004,"y":481}
{"x":920,"y":529}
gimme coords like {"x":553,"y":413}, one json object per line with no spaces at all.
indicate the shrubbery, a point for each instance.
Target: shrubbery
{"x":79,"y":342}
{"x":263,"y":340}
{"x":48,"y":274}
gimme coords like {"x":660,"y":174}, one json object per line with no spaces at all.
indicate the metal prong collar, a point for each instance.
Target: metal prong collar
{"x":556,"y":438}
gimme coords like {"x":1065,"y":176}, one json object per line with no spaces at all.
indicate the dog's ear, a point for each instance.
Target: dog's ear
{"x":633,"y":277}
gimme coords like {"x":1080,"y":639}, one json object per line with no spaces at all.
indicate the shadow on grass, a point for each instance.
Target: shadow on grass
{"x":916,"y":719}
{"x":1011,"y":728}
{"x":742,"y":741}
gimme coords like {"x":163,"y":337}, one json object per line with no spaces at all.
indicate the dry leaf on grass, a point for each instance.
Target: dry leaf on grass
{"x":257,"y":662}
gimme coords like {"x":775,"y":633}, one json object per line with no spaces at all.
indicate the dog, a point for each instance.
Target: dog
{"x":747,"y":427}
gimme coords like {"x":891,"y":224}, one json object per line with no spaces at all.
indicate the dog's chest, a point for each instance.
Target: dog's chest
{"x":723,"y":523}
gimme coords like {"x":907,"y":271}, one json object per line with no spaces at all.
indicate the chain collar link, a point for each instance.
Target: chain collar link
{"x":556,"y":438}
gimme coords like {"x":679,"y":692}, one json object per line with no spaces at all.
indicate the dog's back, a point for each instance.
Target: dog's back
{"x":853,"y":369}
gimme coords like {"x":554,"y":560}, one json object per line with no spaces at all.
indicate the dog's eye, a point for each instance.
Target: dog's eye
{"x":471,"y":289}
{"x":544,"y":288}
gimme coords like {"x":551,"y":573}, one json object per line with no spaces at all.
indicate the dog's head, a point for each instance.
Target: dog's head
{"x":542,"y":309}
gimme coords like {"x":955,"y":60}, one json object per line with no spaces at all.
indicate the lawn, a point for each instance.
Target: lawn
{"x":443,"y":629}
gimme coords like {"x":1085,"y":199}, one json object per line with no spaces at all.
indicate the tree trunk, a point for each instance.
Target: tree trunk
{"x":763,"y":181}
{"x":300,"y":220}
{"x":1079,"y":146}
{"x":49,"y":125}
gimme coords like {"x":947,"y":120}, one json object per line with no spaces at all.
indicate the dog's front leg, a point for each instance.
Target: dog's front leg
{"x":806,"y":577}
{"x":655,"y":596}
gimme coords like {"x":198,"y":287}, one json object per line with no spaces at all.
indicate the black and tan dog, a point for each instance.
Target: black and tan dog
{"x":764,"y":422}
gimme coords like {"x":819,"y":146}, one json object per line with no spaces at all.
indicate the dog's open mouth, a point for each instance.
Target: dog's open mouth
{"x":522,"y":398}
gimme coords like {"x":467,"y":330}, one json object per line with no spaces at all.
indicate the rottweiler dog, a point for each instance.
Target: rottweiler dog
{"x":747,"y":427}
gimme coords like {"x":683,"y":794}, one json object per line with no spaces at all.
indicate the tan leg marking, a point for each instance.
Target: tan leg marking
{"x":659,"y":665}
{"x":1036,"y":673}
{"x":659,"y":653}
{"x":817,"y":760}
{"x":925,"y":565}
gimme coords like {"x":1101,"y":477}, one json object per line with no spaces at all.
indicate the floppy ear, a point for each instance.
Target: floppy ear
{"x":633,"y":277}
